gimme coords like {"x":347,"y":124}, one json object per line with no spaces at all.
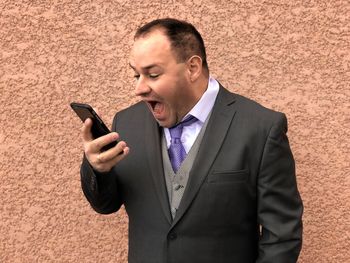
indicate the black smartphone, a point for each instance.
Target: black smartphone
{"x":98,"y":128}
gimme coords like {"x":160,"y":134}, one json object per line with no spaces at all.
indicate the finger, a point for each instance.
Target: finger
{"x":112,"y":153}
{"x":86,"y":130}
{"x":119,"y":157}
{"x":108,"y":165}
{"x":99,"y":143}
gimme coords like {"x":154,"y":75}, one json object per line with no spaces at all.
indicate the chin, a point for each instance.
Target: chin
{"x":165,"y":123}
{"x":162,"y":123}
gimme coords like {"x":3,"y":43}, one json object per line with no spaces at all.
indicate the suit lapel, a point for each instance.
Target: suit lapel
{"x":218,"y":125}
{"x":153,"y":150}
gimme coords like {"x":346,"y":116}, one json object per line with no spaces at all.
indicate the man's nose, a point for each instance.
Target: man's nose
{"x":141,"y":87}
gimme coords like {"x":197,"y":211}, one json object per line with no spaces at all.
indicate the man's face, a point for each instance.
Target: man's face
{"x":162,"y":82}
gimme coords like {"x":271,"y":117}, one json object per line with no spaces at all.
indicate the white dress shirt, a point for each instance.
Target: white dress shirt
{"x":201,"y":111}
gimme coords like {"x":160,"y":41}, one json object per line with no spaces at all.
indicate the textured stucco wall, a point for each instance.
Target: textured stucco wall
{"x":292,"y":56}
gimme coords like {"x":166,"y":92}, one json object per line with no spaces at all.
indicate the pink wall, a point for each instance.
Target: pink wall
{"x":292,"y":56}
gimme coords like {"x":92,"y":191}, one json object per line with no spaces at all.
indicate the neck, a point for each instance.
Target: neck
{"x":200,"y":86}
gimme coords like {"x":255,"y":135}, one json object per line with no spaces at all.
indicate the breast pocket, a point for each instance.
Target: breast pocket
{"x":239,"y":176}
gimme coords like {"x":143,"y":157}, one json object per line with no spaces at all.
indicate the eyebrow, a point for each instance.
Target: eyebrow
{"x":144,"y":68}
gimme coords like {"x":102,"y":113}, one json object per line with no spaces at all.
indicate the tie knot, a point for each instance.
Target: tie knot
{"x":176,"y":131}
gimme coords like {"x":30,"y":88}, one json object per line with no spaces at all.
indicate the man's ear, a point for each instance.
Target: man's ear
{"x":195,"y":67}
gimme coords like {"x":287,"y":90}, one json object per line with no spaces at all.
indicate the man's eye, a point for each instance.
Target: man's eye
{"x":153,"y":76}
{"x":136,"y":76}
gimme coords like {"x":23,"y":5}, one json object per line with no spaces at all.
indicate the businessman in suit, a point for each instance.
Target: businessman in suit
{"x":205,"y":175}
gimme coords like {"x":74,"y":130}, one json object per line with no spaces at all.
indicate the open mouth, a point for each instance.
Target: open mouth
{"x":152,"y":104}
{"x":157,"y":108}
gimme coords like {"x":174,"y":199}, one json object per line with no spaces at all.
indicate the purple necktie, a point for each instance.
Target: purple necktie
{"x":177,"y":151}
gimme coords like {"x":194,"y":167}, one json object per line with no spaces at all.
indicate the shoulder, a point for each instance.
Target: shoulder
{"x":251,"y":112}
{"x":263,"y":116}
{"x":249,"y":106}
{"x":134,"y":112}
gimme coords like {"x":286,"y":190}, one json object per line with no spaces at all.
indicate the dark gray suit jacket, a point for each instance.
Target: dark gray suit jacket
{"x":242,"y":177}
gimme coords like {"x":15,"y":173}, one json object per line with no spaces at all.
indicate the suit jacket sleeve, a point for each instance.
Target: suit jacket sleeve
{"x":100,"y":189}
{"x":279,"y":203}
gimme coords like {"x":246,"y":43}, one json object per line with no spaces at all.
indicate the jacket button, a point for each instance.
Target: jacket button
{"x":172,"y":236}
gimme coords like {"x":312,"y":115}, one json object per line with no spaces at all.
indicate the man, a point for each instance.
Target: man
{"x":222,"y":190}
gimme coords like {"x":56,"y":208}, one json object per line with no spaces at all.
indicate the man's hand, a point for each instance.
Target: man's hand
{"x":102,"y":161}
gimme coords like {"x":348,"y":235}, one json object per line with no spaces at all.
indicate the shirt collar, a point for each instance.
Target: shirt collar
{"x":204,"y":106}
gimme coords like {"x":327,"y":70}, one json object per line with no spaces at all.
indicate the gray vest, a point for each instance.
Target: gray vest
{"x":176,"y":182}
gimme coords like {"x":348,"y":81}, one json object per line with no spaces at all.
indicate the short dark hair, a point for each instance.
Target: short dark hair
{"x":185,"y":40}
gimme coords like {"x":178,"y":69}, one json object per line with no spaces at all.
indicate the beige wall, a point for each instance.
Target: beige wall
{"x":292,"y":56}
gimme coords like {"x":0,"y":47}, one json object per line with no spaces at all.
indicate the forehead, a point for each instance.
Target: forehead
{"x":151,"y":48}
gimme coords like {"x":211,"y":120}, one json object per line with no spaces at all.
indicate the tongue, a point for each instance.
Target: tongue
{"x":158,"y":108}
